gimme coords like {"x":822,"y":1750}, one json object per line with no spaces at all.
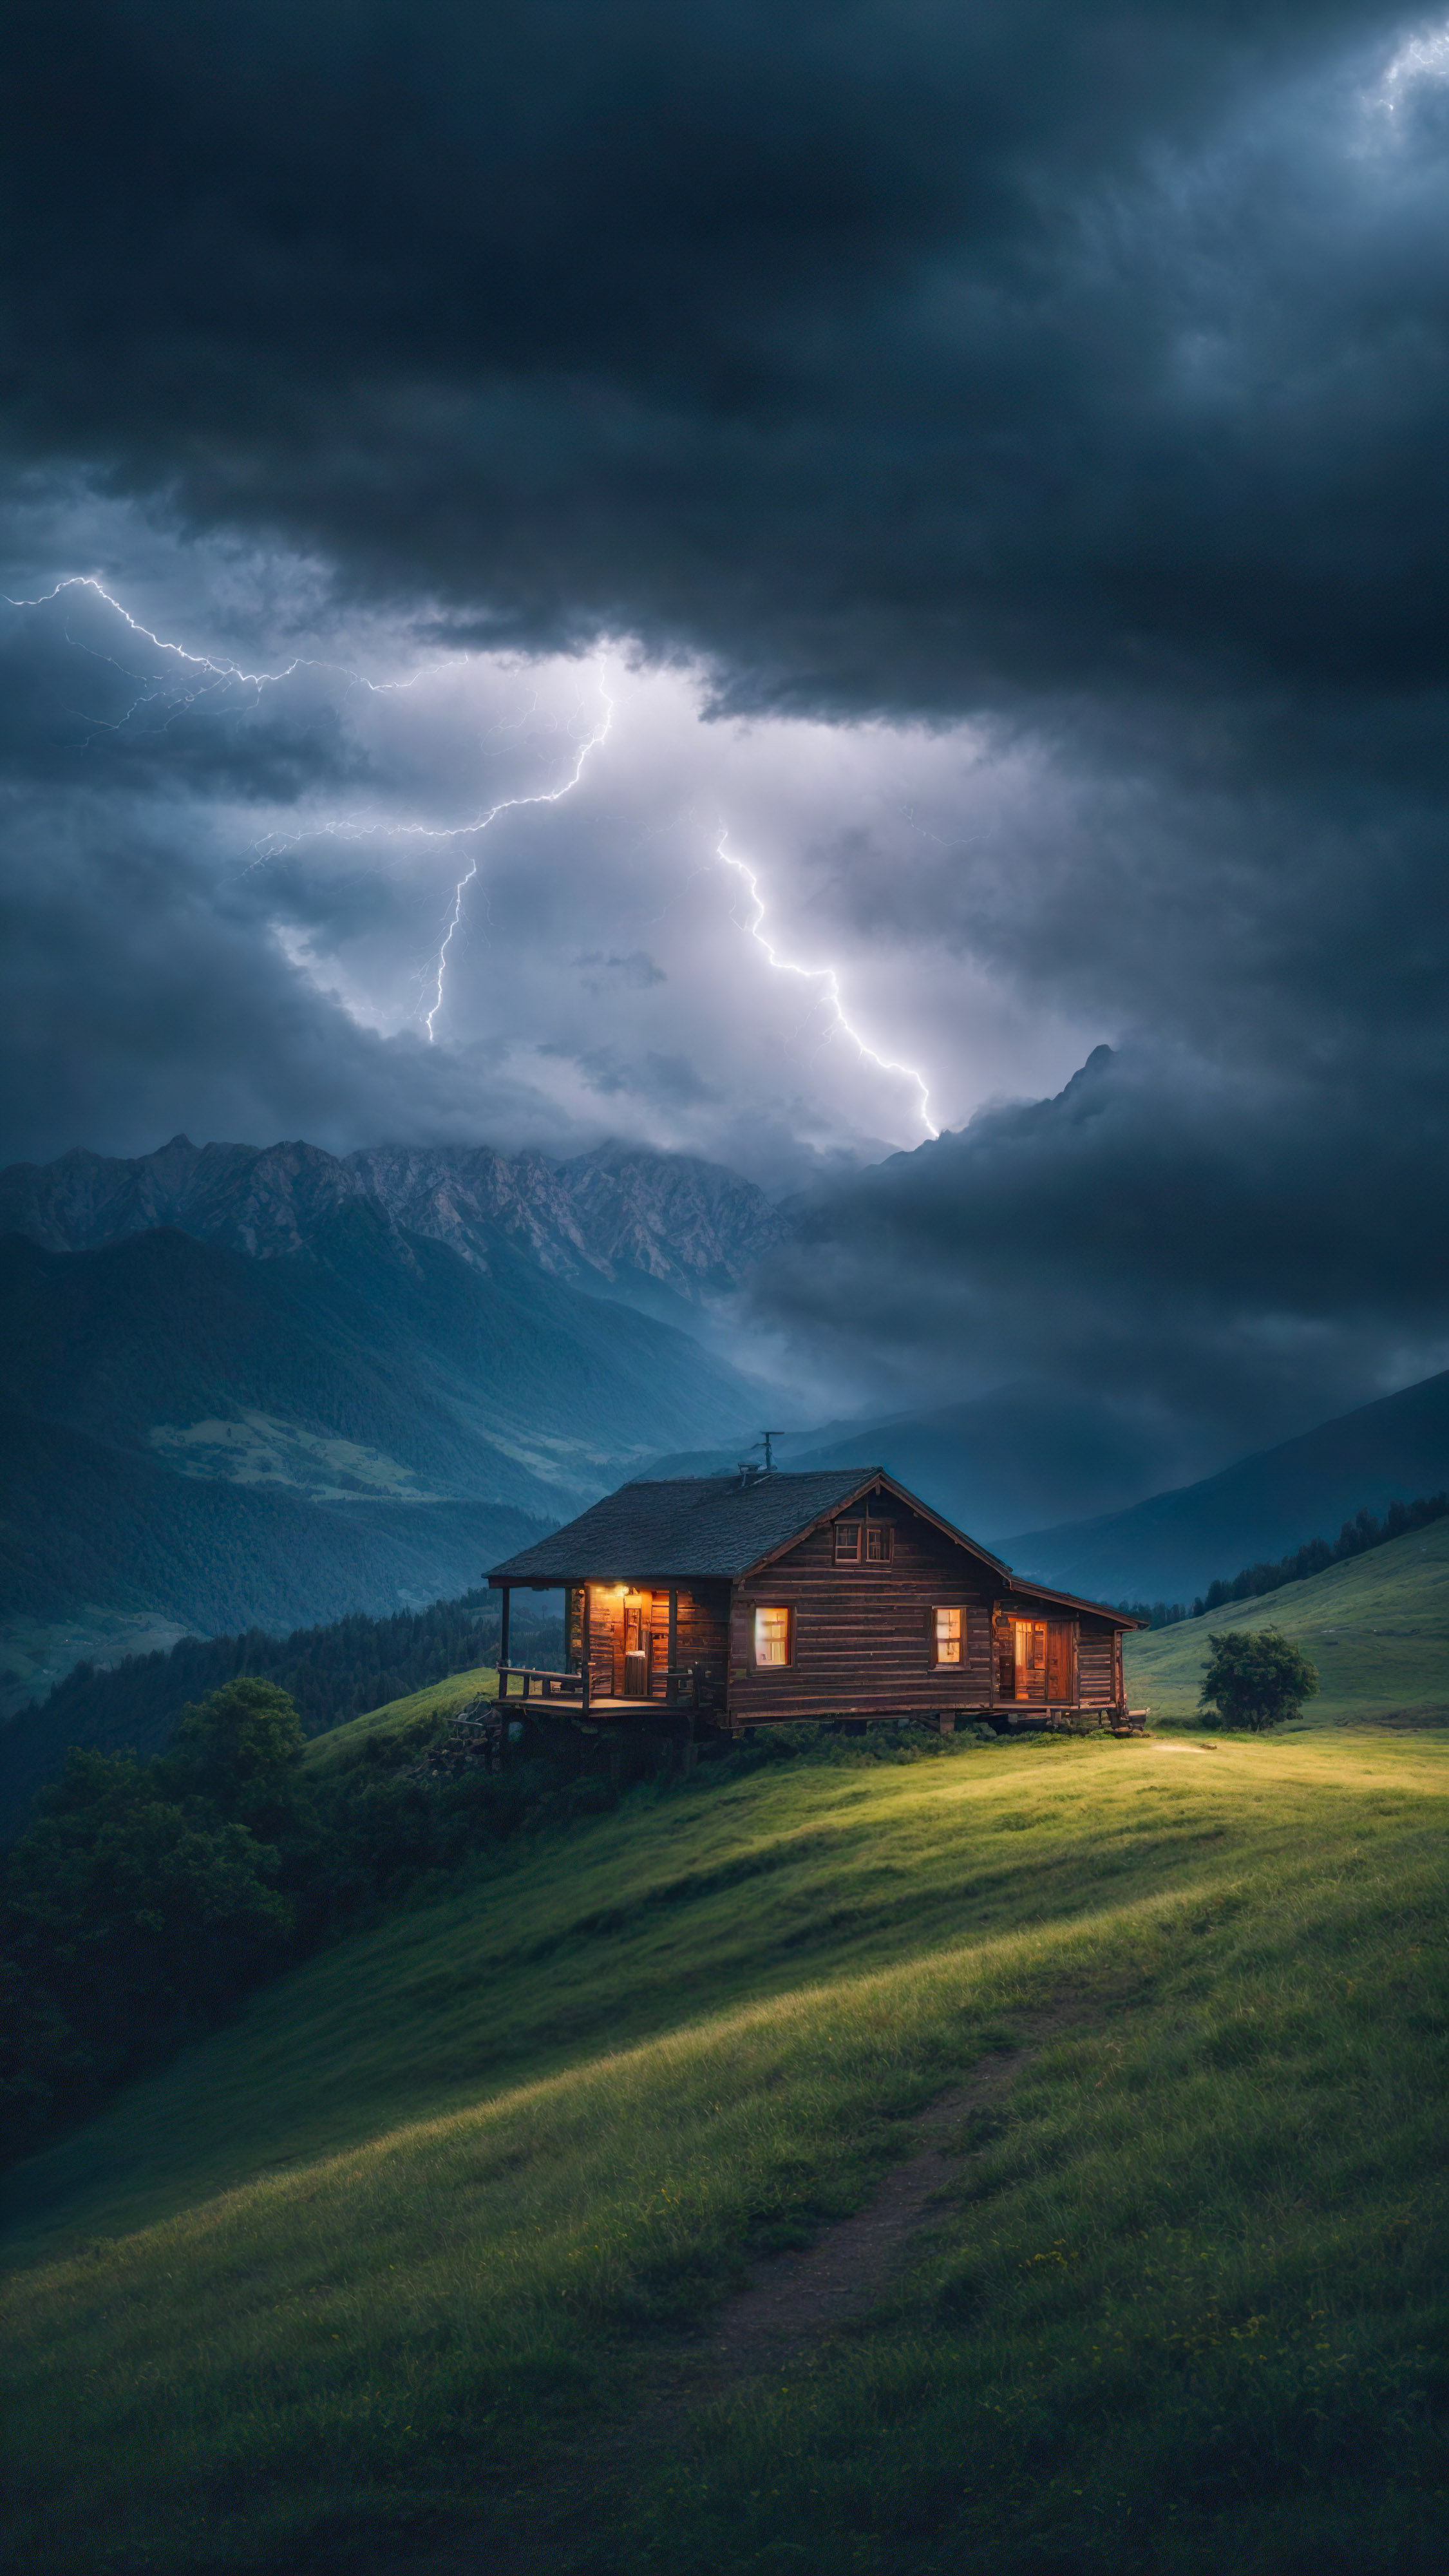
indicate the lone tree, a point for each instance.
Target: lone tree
{"x":1254,"y":1678}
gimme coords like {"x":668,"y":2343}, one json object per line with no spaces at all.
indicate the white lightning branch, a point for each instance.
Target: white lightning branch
{"x":276,"y":842}
{"x":827,"y":978}
{"x":505,"y":805}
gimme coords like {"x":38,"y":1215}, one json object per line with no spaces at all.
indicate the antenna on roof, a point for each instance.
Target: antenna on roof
{"x":748,"y":1470}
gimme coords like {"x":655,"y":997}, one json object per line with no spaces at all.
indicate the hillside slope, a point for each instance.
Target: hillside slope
{"x":1172,"y":1546}
{"x":1377,"y":1628}
{"x":425,"y":2240}
{"x":84,"y":1523}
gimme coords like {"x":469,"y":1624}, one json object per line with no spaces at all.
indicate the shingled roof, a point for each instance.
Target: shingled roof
{"x":683,"y":1527}
{"x":689,"y":1527}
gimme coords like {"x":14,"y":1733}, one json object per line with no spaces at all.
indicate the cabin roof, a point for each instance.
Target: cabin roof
{"x":696,"y":1528}
{"x":685,"y":1526}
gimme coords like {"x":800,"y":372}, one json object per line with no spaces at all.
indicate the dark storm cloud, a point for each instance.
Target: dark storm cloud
{"x":127,"y":993}
{"x":888,"y":355}
{"x":1197,"y":1268}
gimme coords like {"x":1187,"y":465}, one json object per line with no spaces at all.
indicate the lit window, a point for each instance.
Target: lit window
{"x":847,"y":1542}
{"x":772,"y":1637}
{"x":880,"y":1541}
{"x":950,"y":1635}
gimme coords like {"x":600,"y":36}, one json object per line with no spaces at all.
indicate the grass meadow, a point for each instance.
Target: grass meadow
{"x":352,"y":2280}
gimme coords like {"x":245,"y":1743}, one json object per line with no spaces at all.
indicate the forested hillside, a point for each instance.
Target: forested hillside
{"x":1376,"y":1627}
{"x":331,"y":1674}
{"x":83,"y":1521}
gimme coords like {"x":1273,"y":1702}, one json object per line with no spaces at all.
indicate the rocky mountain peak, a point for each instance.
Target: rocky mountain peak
{"x":617,"y":1215}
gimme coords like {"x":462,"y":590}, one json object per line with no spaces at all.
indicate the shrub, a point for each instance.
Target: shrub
{"x":1254,"y":1678}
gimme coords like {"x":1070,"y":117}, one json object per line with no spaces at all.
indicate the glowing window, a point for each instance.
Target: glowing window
{"x":772,"y":1637}
{"x":847,"y":1542}
{"x":950,"y":1635}
{"x":880,"y":1541}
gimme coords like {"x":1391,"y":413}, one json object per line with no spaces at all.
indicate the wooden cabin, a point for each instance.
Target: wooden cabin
{"x":755,"y":1599}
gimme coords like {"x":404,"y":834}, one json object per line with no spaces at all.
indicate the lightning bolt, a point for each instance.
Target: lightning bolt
{"x":827,"y":977}
{"x":506,"y":805}
{"x":222,"y":672}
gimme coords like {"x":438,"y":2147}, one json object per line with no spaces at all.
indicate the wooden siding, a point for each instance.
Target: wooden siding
{"x":1097,"y":1666}
{"x":701,"y":1632}
{"x":864,"y":1634}
{"x":863,"y":1638}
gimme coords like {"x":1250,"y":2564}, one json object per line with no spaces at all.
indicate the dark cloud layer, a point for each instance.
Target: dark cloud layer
{"x":888,"y":355}
{"x":1206,"y":1265}
{"x":1077,"y":374}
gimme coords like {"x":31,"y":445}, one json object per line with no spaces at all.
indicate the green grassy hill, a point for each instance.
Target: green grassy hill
{"x":1376,"y":1627}
{"x":424,"y":2252}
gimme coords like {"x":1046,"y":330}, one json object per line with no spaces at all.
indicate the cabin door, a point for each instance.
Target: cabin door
{"x":1061,"y":1662}
{"x":633,"y":1668}
{"x":1021,"y":1659}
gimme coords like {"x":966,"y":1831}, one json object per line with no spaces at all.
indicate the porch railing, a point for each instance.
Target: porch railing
{"x":686,"y":1686}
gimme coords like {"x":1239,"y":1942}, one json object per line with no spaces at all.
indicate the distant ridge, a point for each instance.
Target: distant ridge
{"x":618,"y":1220}
{"x":1173,"y":1544}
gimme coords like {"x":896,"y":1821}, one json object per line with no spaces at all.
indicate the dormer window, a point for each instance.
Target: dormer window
{"x":864,"y":1542}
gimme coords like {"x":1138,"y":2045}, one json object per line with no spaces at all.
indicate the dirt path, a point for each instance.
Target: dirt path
{"x":796,"y":2299}
{"x":791,"y":2303}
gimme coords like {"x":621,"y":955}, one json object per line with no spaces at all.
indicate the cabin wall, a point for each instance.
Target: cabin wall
{"x":863,"y":1634}
{"x":1097,"y":1665}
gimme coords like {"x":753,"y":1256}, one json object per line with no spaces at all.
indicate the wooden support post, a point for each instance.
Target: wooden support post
{"x":503,"y":1641}
{"x":671,"y":1687}
{"x":586,"y":1642}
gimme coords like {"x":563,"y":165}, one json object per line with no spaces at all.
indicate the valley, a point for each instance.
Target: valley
{"x":1172,"y":1545}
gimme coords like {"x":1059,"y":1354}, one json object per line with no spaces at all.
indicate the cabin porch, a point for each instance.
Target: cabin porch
{"x":631,"y":1652}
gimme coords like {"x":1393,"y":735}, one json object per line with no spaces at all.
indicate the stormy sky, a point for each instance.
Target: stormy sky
{"x":969,"y":480}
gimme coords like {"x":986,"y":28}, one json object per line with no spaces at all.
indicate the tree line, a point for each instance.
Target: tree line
{"x":1363,"y":1532}
{"x":331,"y":1673}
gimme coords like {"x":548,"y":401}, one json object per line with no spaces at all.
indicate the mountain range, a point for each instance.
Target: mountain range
{"x":621,"y":1222}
